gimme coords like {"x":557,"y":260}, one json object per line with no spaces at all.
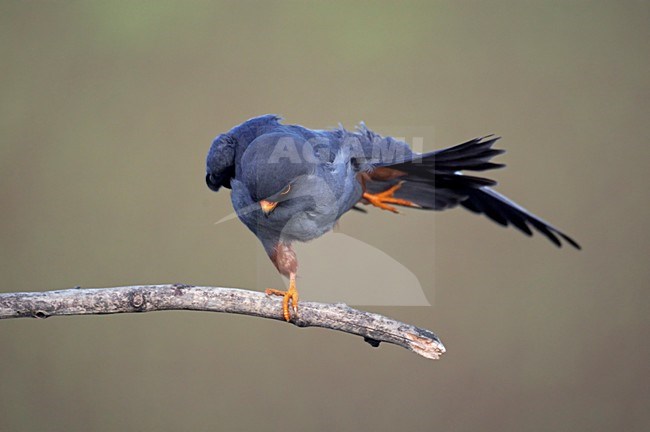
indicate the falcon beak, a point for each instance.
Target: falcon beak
{"x":268,"y":206}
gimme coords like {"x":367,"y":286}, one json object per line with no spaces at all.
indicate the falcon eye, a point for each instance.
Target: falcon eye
{"x":286,"y":191}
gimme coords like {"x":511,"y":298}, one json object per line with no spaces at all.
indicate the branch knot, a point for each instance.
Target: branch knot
{"x":40,"y":314}
{"x":137,"y":300}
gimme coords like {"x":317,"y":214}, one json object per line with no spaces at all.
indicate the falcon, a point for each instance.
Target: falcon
{"x":290,"y":183}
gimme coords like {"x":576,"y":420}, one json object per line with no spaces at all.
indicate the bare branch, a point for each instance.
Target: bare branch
{"x":372,"y":327}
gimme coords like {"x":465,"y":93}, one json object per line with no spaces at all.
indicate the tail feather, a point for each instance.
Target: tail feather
{"x":438,"y":173}
{"x":474,"y":155}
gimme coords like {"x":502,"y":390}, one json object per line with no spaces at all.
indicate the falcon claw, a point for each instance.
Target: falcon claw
{"x":382,"y":199}
{"x":289,"y":299}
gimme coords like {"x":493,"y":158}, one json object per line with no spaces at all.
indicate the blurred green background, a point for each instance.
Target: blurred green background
{"x":108,"y":109}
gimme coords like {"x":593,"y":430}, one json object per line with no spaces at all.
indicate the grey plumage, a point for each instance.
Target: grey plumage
{"x":315,"y":176}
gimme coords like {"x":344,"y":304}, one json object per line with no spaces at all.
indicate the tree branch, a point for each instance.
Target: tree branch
{"x":372,"y":327}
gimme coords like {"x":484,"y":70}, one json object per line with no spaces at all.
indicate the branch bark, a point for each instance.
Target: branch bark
{"x":374,"y":328}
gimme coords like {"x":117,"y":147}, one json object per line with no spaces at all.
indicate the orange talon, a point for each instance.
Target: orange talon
{"x":382,"y":198}
{"x":290,"y":296}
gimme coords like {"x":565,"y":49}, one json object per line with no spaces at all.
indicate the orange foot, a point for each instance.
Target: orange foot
{"x":290,"y":297}
{"x":382,"y":198}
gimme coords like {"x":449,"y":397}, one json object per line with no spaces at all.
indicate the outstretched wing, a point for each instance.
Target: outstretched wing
{"x":434,"y":182}
{"x":506,"y":212}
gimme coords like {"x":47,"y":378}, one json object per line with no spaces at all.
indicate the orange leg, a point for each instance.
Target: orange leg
{"x":290,"y":297}
{"x":383,"y":199}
